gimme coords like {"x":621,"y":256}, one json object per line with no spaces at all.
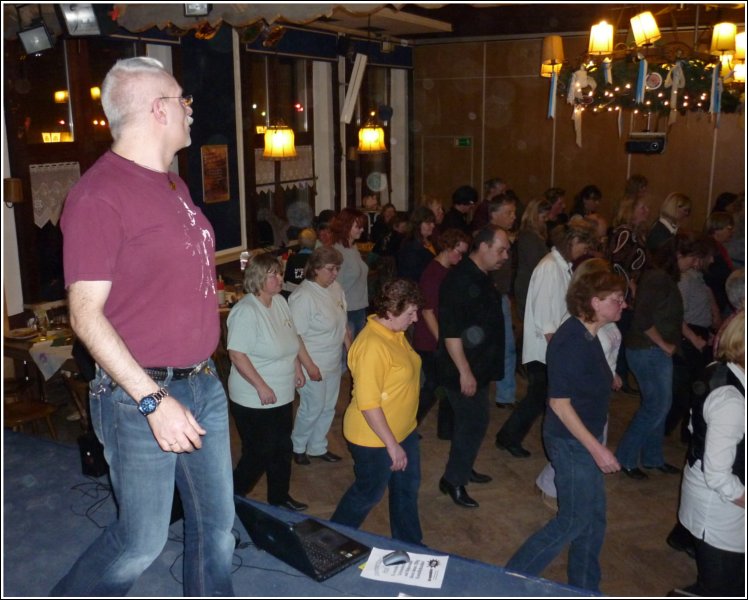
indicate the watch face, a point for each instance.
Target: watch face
{"x":147,"y":405}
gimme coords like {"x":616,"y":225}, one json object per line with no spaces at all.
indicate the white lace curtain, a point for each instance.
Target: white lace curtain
{"x":50,"y":184}
{"x":295,"y":172}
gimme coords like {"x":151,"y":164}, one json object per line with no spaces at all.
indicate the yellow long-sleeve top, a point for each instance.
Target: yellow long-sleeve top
{"x":386,"y":374}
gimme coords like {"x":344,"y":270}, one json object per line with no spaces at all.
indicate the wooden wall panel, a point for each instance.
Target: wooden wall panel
{"x":492,"y":91}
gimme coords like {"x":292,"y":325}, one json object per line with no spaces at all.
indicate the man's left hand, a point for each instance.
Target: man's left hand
{"x":174,"y":427}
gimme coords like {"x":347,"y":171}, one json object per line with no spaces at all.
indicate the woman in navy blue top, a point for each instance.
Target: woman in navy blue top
{"x":579,"y":388}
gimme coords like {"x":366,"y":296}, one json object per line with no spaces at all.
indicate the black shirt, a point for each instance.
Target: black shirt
{"x":454,"y":219}
{"x":470,"y":309}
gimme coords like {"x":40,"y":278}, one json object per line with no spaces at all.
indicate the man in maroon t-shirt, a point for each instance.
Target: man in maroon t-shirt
{"x":141,"y":280}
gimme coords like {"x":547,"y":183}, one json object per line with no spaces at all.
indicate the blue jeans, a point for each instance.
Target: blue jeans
{"x":371,"y":467}
{"x":506,"y":388}
{"x":643,"y":438}
{"x":143,"y":478}
{"x":580,"y":521}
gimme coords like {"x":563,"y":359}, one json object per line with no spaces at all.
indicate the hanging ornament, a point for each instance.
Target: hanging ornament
{"x":675,"y":80}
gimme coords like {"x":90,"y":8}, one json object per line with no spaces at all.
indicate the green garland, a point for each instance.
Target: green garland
{"x":695,"y":96}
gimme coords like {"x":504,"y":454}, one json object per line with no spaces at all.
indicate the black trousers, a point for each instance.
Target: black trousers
{"x":720,"y":572}
{"x":529,"y":408}
{"x":431,"y":391}
{"x":470,"y":425}
{"x":266,"y":448}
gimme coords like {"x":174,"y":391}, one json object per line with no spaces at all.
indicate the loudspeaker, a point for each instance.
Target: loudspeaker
{"x":92,"y":455}
{"x":646,"y":145}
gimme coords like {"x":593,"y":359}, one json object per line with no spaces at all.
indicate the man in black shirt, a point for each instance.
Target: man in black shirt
{"x":471,"y":354}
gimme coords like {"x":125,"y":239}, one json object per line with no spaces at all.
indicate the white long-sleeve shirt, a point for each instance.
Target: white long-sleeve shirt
{"x":545,"y":308}
{"x":709,"y":486}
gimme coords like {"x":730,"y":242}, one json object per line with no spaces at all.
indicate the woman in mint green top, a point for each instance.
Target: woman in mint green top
{"x":266,"y":356}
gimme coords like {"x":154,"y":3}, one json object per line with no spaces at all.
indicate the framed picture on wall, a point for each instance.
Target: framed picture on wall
{"x":215,"y":161}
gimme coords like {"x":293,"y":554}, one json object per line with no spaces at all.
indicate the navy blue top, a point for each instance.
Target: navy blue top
{"x":577,"y":369}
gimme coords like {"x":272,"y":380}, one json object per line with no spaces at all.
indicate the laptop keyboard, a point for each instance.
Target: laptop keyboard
{"x":322,"y":558}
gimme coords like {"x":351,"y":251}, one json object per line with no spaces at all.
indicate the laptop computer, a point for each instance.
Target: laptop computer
{"x":308,"y":546}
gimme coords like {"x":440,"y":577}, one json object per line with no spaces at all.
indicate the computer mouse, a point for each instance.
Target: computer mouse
{"x":397,"y":557}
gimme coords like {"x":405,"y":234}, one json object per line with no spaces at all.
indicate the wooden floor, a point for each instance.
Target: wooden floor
{"x":636,"y":561}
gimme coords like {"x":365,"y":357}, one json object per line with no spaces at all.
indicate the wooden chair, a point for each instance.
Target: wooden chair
{"x":78,"y":390}
{"x":20,"y":410}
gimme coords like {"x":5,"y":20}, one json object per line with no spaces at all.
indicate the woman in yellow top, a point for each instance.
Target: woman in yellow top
{"x":380,"y":422}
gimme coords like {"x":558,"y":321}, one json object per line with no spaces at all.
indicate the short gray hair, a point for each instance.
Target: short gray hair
{"x":119,"y":95}
{"x":735,"y":289}
{"x":257,"y":271}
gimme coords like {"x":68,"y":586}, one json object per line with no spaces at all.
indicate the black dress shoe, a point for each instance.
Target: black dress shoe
{"x":457,"y":492}
{"x":293,"y":505}
{"x":666,"y":468}
{"x":300,"y":458}
{"x":515,"y":450}
{"x":635,"y":473}
{"x":327,"y":457}
{"x":682,"y":540}
{"x":476,"y":477}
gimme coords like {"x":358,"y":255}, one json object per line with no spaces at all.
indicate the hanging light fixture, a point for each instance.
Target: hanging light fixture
{"x":601,"y":39}
{"x":740,"y":47}
{"x":645,"y":30}
{"x":551,"y":56}
{"x":371,"y":137}
{"x":279,"y":142}
{"x":723,"y":39}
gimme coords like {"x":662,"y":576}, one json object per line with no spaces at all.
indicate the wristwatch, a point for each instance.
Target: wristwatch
{"x":150,"y":402}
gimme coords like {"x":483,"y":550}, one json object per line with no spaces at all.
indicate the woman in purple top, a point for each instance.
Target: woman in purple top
{"x":454,"y":243}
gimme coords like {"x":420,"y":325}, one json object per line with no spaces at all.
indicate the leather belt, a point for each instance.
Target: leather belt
{"x":161,"y":373}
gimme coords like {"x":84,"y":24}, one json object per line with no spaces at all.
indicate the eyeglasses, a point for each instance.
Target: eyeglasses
{"x":274,"y":274}
{"x":332,"y":268}
{"x":183,"y":100}
{"x":620,"y":300}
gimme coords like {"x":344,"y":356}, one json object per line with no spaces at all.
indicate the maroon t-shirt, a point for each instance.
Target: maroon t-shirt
{"x":125,"y":224}
{"x":430,"y":282}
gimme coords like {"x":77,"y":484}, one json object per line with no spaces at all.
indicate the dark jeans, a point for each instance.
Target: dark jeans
{"x":471,"y":422}
{"x":266,"y":448}
{"x":529,"y":408}
{"x":371,"y":467}
{"x":720,"y":572}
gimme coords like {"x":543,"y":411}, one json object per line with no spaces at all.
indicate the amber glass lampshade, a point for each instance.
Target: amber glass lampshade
{"x":645,"y":30}
{"x":371,"y":138}
{"x":740,"y":47}
{"x":552,"y":55}
{"x":279,"y":142}
{"x":601,"y":39}
{"x":723,"y":38}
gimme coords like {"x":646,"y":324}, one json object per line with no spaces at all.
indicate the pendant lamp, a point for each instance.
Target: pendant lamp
{"x":371,"y":137}
{"x":645,"y":30}
{"x":601,"y":39}
{"x":279,"y":142}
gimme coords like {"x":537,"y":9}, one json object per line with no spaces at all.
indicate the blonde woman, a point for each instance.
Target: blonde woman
{"x":531,"y":246}
{"x":674,"y":211}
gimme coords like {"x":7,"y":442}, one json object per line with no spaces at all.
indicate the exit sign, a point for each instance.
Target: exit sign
{"x":463,"y":142}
